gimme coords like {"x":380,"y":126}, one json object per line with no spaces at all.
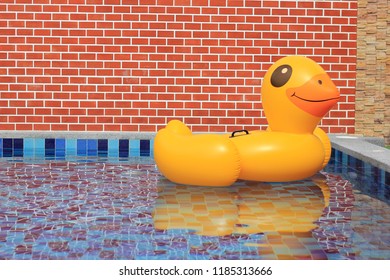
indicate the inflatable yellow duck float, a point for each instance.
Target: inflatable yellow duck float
{"x":296,"y":94}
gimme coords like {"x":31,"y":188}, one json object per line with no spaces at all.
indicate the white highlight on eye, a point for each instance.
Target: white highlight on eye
{"x":284,"y":70}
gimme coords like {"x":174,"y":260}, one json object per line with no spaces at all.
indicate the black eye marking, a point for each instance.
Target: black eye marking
{"x":281,"y":75}
{"x":320,"y":82}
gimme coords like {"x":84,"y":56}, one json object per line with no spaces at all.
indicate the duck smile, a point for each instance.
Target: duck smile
{"x":310,"y":100}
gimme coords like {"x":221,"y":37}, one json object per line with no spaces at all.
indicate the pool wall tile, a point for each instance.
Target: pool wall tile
{"x":60,"y":144}
{"x":144,"y":148}
{"x":71,"y":147}
{"x":92,"y":147}
{"x":383,"y":177}
{"x":81,"y":147}
{"x":7,"y":147}
{"x":123,"y":148}
{"x":134,"y":148}
{"x":39,"y":147}
{"x":18,"y":147}
{"x":152,"y":147}
{"x":50,"y":146}
{"x":7,"y":143}
{"x":29,"y":147}
{"x":103,"y":147}
{"x":60,"y":148}
{"x":113,"y":148}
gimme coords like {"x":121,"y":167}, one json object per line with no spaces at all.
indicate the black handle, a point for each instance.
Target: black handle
{"x":237,"y":131}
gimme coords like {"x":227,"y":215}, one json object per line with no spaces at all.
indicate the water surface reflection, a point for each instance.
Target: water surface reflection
{"x":244,"y":208}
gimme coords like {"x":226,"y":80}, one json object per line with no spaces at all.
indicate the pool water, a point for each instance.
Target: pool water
{"x":92,"y":207}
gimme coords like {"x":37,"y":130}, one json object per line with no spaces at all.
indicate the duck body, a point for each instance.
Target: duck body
{"x":202,"y":159}
{"x":296,"y":93}
{"x":278,"y":156}
{"x":220,"y":160}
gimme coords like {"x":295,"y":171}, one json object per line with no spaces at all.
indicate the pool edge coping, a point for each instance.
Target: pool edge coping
{"x":78,"y":135}
{"x":367,"y":149}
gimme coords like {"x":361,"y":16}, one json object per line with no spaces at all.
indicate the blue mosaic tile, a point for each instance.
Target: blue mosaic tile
{"x":71,"y":147}
{"x":7,"y":147}
{"x":60,"y":148}
{"x":18,"y":147}
{"x":7,"y":143}
{"x":123,"y":148}
{"x":60,"y":144}
{"x":372,"y":180}
{"x":92,"y":147}
{"x":145,"y":148}
{"x":50,"y":146}
{"x":151,"y":148}
{"x":28,"y":150}
{"x":81,"y":147}
{"x":113,"y":148}
{"x":135,"y":147}
{"x":39,"y":148}
{"x":103,"y":147}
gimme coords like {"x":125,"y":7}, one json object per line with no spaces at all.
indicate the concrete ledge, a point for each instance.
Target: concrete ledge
{"x":367,"y":149}
{"x":77,"y":135}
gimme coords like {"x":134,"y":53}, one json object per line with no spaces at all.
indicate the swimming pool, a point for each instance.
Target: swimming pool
{"x":105,"y":199}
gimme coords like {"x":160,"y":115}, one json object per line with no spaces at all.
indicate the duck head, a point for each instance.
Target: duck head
{"x":296,"y":94}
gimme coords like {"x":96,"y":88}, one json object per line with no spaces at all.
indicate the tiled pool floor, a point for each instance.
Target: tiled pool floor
{"x":93,"y":209}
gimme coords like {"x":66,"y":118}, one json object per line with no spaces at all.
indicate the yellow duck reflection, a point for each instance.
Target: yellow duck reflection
{"x":244,"y":208}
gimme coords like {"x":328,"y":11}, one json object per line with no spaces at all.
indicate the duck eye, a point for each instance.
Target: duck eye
{"x":281,"y":75}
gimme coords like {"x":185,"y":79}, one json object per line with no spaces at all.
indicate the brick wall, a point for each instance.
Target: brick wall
{"x":132,"y":65}
{"x":373,"y":69}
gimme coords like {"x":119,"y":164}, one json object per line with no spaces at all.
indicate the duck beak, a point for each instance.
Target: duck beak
{"x":316,"y":97}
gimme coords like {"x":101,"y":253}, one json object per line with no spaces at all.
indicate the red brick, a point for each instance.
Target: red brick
{"x":226,"y":41}
{"x":7,"y":126}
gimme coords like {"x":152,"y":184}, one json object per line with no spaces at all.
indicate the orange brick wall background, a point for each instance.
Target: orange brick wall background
{"x":132,"y":65}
